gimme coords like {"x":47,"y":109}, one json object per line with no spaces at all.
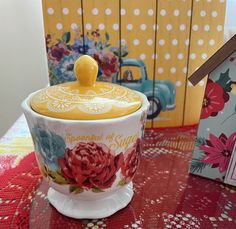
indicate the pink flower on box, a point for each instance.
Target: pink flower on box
{"x":218,"y":150}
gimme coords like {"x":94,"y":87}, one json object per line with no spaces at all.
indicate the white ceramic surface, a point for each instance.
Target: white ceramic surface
{"x":91,"y":209}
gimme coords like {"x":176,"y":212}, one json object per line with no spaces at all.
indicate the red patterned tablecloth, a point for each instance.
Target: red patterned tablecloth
{"x":166,"y":196}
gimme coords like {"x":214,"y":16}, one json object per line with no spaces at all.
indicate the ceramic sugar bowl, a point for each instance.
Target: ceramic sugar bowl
{"x":87,"y":137}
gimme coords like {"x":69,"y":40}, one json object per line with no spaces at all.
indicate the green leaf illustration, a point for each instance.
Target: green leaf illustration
{"x":66,"y":37}
{"x":107,"y":36}
{"x":122,"y":182}
{"x":116,"y":53}
{"x":225,"y":81}
{"x":57,"y":177}
{"x":68,"y":47}
{"x":100,"y":45}
{"x":200,"y":141}
{"x":76,"y":189}
{"x":229,"y":117}
{"x":44,"y":169}
{"x":197,"y":165}
{"x":95,"y":189}
{"x":124,"y":54}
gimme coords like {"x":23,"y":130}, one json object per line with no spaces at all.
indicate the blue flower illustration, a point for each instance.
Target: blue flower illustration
{"x":63,"y":54}
{"x":64,"y":70}
{"x":86,"y":48}
{"x":90,"y":46}
{"x":78,"y":46}
{"x":49,"y":145}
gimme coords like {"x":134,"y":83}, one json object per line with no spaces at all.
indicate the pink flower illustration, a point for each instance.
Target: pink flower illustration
{"x":58,"y":52}
{"x":219,"y":150}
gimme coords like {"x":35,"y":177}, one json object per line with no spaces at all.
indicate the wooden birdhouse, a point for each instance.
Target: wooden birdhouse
{"x":214,"y":154}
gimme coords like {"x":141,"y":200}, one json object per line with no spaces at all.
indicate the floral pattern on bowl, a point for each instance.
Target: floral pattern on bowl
{"x":87,"y":166}
{"x":90,"y":165}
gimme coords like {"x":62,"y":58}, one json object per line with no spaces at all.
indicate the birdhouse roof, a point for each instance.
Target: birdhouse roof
{"x":214,"y":61}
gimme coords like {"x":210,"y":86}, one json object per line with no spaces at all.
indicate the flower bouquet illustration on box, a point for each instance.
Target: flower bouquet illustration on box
{"x":114,"y":66}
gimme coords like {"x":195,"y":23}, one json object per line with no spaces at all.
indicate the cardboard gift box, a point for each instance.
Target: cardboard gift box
{"x":214,"y":154}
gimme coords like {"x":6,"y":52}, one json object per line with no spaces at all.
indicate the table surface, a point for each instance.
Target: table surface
{"x":166,"y":195}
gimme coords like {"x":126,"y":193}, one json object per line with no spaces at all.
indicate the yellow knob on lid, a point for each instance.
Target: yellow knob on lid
{"x":86,"y":70}
{"x":86,"y":99}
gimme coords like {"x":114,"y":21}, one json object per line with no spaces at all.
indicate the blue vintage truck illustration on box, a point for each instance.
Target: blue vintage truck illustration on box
{"x":160,"y":93}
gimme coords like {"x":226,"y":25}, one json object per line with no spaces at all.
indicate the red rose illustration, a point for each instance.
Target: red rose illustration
{"x":57,"y":52}
{"x":90,"y":165}
{"x":108,"y":62}
{"x":131,"y":161}
{"x":214,"y":99}
{"x":231,"y":59}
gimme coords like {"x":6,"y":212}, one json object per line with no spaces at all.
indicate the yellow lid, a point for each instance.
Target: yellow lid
{"x":86,"y":99}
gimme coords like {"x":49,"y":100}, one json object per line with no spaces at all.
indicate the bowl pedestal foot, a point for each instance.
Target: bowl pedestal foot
{"x":91,"y":209}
